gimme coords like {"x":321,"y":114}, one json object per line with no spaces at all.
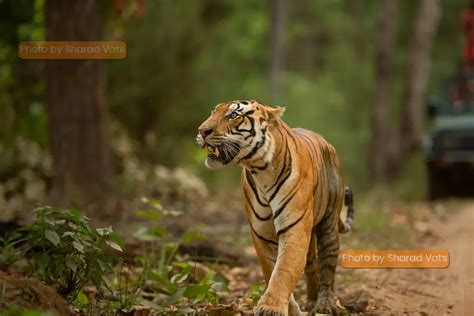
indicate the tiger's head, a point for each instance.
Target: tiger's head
{"x":237,"y":132}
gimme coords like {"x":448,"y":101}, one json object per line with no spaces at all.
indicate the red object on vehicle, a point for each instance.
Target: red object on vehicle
{"x":468,"y":23}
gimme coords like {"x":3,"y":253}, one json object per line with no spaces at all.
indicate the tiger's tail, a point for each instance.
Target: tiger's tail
{"x":346,"y":225}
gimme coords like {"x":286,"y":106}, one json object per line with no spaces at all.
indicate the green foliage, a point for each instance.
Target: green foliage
{"x":21,"y":88}
{"x":158,"y":278}
{"x":18,"y":311}
{"x":175,"y":73}
{"x":174,"y":278}
{"x":182,"y":287}
{"x":256,"y":292}
{"x":63,"y":250}
{"x":410,"y":184}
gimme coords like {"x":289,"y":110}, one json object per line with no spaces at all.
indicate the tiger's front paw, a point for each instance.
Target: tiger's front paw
{"x":265,"y":310}
{"x":270,"y":305}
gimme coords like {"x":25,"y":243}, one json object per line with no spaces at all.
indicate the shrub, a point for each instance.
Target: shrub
{"x":63,"y":250}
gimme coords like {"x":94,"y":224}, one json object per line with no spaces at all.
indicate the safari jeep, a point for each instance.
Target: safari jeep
{"x":449,"y":147}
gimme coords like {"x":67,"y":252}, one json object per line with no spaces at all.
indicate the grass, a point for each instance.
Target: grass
{"x":373,"y":227}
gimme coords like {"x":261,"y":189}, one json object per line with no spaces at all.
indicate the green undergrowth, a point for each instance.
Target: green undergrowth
{"x":92,"y":269}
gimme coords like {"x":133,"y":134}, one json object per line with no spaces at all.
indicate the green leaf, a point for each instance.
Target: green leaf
{"x":146,"y":303}
{"x":50,"y":220}
{"x":167,"y":284}
{"x":75,"y":213}
{"x":82,"y":299}
{"x":104,"y":231}
{"x":157,"y":231}
{"x":58,"y":269}
{"x":114,"y":245}
{"x":149,"y":214}
{"x":96,"y":277}
{"x":43,"y":261}
{"x":71,"y":264}
{"x":103,"y":265}
{"x":208,"y":278}
{"x":149,"y":234}
{"x":117,"y":239}
{"x":195,"y":290}
{"x":42,"y":209}
{"x":182,"y":264}
{"x":178,"y":294}
{"x":220,"y":286}
{"x":156,"y":204}
{"x":53,"y":237}
{"x":179,"y":278}
{"x":79,"y":247}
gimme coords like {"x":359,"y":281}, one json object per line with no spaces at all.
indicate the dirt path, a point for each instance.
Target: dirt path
{"x":424,"y":291}
{"x":447,"y":291}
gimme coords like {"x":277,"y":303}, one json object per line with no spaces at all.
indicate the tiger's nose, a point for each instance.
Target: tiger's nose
{"x":205,"y":131}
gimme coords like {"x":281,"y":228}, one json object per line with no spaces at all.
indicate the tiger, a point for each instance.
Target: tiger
{"x":293,"y":193}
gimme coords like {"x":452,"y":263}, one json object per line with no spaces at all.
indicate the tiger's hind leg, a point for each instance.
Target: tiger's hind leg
{"x":328,"y":249}
{"x":311,"y":272}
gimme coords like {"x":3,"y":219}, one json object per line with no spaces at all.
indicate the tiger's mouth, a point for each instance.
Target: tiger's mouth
{"x":223,"y":153}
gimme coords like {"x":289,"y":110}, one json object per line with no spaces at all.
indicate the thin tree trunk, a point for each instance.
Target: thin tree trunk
{"x":77,"y":110}
{"x":303,"y":52}
{"x":391,"y":148}
{"x":277,"y":43}
{"x":385,"y":43}
{"x":425,"y":27}
{"x":355,"y":11}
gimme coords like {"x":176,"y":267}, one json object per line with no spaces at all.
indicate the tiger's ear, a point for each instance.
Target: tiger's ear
{"x":275,"y":111}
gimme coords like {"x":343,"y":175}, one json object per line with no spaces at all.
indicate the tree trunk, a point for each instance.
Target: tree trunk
{"x":77,"y":110}
{"x":425,"y":27}
{"x":385,"y":43}
{"x":355,"y":12}
{"x":277,"y":43}
{"x":303,"y":52}
{"x":391,"y":148}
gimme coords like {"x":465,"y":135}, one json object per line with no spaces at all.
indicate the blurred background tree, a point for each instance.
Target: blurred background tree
{"x":326,"y":60}
{"x":392,"y":147}
{"x":78,"y":116}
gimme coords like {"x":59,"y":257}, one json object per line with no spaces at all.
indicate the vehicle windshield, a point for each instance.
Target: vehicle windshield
{"x":459,"y":98}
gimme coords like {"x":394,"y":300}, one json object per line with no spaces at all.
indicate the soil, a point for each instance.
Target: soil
{"x":30,"y":293}
{"x":447,"y":291}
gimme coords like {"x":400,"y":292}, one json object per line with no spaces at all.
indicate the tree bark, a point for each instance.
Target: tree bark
{"x":385,"y":43}
{"x":303,"y":53}
{"x":391,"y":148}
{"x":425,"y":27}
{"x":77,"y":110}
{"x":277,"y":43}
{"x":355,"y":12}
